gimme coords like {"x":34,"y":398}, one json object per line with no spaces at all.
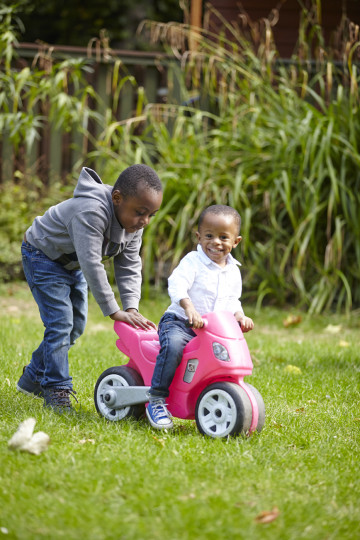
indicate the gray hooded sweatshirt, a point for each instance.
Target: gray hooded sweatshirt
{"x":82,"y":232}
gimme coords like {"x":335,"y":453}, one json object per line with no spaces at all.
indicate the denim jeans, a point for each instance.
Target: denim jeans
{"x":173,"y":336}
{"x":61,"y":296}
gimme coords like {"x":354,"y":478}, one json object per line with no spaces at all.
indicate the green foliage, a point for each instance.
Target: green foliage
{"x":20,"y":204}
{"x":280,"y":143}
{"x":102,"y":480}
{"x":277,"y":141}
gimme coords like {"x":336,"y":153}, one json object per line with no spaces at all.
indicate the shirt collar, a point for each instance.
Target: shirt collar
{"x":206,"y":260}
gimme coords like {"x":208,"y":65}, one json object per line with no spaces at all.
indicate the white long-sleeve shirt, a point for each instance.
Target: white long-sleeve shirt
{"x":209,"y":286}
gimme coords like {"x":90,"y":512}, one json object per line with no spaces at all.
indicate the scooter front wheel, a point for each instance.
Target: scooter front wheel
{"x":260,"y":405}
{"x":117,"y":376}
{"x":223,"y":409}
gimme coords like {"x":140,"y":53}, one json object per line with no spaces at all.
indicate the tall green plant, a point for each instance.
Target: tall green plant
{"x":278,"y":141}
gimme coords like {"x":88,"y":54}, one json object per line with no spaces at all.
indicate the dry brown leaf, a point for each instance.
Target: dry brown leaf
{"x":294,"y":370}
{"x":292,"y":320}
{"x":187,"y":496}
{"x":84,"y":441}
{"x":268,"y":516}
{"x":26,"y":441}
{"x":159,"y":441}
{"x":333,"y":329}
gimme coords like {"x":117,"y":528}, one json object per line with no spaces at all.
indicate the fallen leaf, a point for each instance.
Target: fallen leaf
{"x":84,"y":441}
{"x":23,"y":434}
{"x":300,"y":409}
{"x":333,"y":329}
{"x":13,"y":309}
{"x":37,"y":444}
{"x":292,"y":320}
{"x":294,"y":370}
{"x":277,"y":426}
{"x":159,"y":441}
{"x":268,"y":516}
{"x":187,"y":497}
{"x":25,"y":441}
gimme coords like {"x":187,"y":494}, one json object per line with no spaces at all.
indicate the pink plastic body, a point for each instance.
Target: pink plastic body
{"x":199,"y":367}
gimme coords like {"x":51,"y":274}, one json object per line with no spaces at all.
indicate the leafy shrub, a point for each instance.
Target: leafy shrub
{"x":20,"y":204}
{"x":280,"y":143}
{"x":277,"y":141}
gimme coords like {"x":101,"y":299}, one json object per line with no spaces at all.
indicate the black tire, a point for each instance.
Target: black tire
{"x":260,"y":404}
{"x":117,"y":376}
{"x":223,"y":409}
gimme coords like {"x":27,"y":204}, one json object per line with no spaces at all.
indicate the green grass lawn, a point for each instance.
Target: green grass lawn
{"x":101,"y":480}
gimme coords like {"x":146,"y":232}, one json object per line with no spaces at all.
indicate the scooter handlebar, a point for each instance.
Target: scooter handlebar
{"x":189,"y":325}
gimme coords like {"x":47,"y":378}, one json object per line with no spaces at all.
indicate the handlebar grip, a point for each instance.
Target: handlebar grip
{"x":190,"y":325}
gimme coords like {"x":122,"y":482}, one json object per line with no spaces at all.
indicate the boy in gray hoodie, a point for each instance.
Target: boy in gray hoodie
{"x":62,"y":255}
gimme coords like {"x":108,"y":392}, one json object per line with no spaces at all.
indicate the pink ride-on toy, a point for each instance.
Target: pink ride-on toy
{"x":208,"y":385}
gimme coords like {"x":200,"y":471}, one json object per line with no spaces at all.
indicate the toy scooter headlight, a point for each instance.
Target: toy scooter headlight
{"x":220,"y":352}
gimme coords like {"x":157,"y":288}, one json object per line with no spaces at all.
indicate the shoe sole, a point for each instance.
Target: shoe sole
{"x":157,"y":426}
{"x":23,"y":391}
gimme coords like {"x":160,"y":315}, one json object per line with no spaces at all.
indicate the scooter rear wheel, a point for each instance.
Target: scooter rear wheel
{"x":117,"y":376}
{"x":223,"y":409}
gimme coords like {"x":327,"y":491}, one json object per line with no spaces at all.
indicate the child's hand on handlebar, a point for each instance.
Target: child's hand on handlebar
{"x":195,"y":319}
{"x":245,"y":322}
{"x":133,"y":317}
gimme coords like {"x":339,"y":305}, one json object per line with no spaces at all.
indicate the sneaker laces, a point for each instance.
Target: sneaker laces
{"x":61,"y":397}
{"x":158,"y":407}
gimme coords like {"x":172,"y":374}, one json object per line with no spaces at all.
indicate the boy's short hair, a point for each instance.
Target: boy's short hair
{"x":222,"y":210}
{"x":129,"y":180}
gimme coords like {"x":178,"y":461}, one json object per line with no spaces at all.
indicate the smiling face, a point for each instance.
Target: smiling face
{"x":134,"y":213}
{"x":218,"y":235}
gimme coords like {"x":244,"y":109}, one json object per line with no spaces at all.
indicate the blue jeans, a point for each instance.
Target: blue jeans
{"x":61,"y":296}
{"x":173,"y":336}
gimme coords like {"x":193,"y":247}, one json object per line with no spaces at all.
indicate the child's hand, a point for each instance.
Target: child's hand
{"x":134,"y":318}
{"x":245,"y":322}
{"x":195,"y":319}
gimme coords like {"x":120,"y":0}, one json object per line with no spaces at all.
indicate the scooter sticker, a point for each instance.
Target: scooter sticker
{"x":190,"y":370}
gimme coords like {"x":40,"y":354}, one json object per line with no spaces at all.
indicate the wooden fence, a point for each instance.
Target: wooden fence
{"x":54,"y":154}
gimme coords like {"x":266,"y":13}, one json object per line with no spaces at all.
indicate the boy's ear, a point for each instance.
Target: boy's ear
{"x":197,"y":235}
{"x":237,"y":241}
{"x":117,"y":197}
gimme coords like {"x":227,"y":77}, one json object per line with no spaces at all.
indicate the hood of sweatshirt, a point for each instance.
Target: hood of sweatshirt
{"x":91,"y":186}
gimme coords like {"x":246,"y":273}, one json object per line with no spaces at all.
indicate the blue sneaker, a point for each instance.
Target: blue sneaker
{"x":27,"y":386}
{"x":158,"y":415}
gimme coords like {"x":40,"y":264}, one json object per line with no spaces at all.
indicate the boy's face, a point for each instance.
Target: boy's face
{"x":134,"y":213}
{"x":218,"y":235}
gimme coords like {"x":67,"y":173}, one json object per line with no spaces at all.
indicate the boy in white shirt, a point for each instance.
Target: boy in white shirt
{"x":205,"y":280}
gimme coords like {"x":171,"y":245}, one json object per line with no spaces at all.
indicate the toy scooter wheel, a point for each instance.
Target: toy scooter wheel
{"x":260,"y":404}
{"x":223,"y":409}
{"x":117,"y":376}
